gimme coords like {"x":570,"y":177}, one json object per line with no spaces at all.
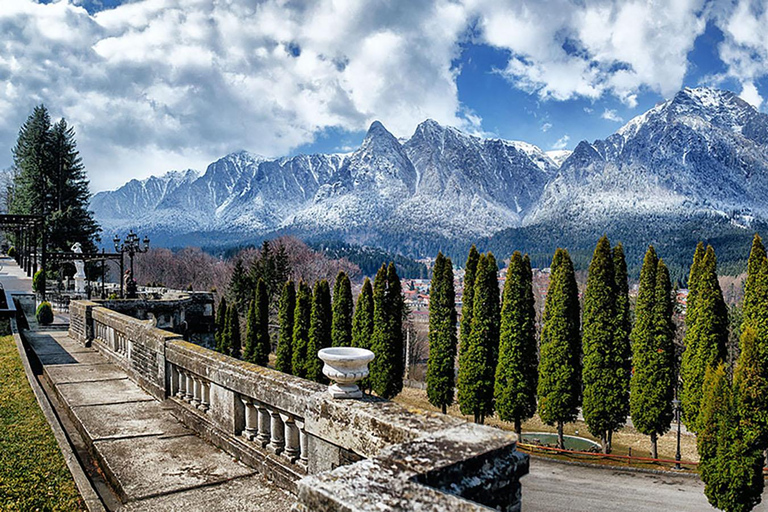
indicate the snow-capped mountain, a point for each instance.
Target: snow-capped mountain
{"x":439,"y":183}
{"x":705,"y":151}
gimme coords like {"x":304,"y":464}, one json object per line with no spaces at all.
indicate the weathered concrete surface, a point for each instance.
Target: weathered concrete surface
{"x":153,"y":461}
{"x":13,"y":277}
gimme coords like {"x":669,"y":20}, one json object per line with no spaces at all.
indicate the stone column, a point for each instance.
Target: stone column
{"x":277,"y":443}
{"x":265,"y":422}
{"x":196,"y":394}
{"x":182,"y":386}
{"x":205,"y":403}
{"x":303,"y":442}
{"x":250,"y":418}
{"x":188,"y":393}
{"x":292,"y":447}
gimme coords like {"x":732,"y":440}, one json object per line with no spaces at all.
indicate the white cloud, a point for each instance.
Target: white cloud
{"x":561,"y":143}
{"x":611,"y":115}
{"x":545,"y":127}
{"x":750,"y":94}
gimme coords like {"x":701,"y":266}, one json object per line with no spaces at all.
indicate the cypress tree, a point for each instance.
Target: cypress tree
{"x":220,"y":324}
{"x":559,"y":386}
{"x":517,"y":369}
{"x":362,"y":323}
{"x":301,"y":322}
{"x":341,"y":329}
{"x":240,"y":287}
{"x":442,"y":335}
{"x":623,"y":349}
{"x":386,"y":376}
{"x":258,"y":346}
{"x":603,"y":390}
{"x":730,"y":468}
{"x":378,"y":343}
{"x":467,"y":302}
{"x":476,"y":377}
{"x":285,"y":339}
{"x":708,"y":334}
{"x":652,"y":386}
{"x":750,"y":385}
{"x":233,"y":343}
{"x":319,"y":330}
{"x":752,"y":297}
{"x":688,"y":369}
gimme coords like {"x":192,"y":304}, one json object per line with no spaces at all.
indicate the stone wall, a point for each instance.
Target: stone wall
{"x":333,"y":454}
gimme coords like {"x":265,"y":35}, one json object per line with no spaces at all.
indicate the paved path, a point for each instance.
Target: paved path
{"x":157,"y":463}
{"x":13,"y":277}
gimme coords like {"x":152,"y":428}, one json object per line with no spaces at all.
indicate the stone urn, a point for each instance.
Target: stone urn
{"x":345,"y":366}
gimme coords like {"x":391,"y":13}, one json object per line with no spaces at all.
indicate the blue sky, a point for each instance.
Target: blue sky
{"x":155,"y":85}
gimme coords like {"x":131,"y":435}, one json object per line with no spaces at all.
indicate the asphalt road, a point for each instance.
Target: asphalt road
{"x":551,"y":486}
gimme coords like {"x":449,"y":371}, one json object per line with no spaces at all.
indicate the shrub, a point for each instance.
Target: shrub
{"x":38,"y":282}
{"x":44,"y":313}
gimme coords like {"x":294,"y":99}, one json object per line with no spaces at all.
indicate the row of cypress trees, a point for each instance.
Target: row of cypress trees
{"x":310,"y":320}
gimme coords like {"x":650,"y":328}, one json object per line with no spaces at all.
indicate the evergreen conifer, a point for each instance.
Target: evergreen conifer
{"x":442,"y":335}
{"x":752,"y":290}
{"x":559,"y":386}
{"x":341,"y":329}
{"x":517,"y":369}
{"x":362,"y":323}
{"x":240,"y":287}
{"x":220,"y":324}
{"x":258,"y":332}
{"x":387,"y":368}
{"x":467,"y":302}
{"x":233,"y":340}
{"x":284,"y":354}
{"x":319,"y":330}
{"x":623,"y":348}
{"x":688,"y":369}
{"x":301,"y":323}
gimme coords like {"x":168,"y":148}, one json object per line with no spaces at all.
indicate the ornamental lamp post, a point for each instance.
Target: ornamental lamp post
{"x":676,"y":405}
{"x":132,"y":246}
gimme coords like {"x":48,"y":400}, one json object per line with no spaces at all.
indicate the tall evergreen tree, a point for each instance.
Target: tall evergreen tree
{"x":341,"y":328}
{"x":319,"y":330}
{"x":752,"y":291}
{"x":284,"y":354}
{"x":233,"y":339}
{"x":220,"y":324}
{"x":240,"y":287}
{"x":301,"y":323}
{"x":652,"y":386}
{"x":362,"y":323}
{"x":731,"y":469}
{"x":688,"y":369}
{"x":559,"y":387}
{"x":387,"y":369}
{"x":258,"y":345}
{"x":378,"y":343}
{"x":517,"y":369}
{"x":476,"y":377}
{"x":623,"y":328}
{"x":708,"y":334}
{"x":442,"y":335}
{"x":467,"y":301}
{"x":603,"y":367}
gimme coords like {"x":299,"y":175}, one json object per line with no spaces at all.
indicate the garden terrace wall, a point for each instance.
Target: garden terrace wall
{"x":334,"y":454}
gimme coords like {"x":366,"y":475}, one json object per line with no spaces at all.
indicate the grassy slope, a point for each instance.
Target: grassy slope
{"x":33,"y":474}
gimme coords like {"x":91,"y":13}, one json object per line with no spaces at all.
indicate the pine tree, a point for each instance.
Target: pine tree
{"x":442,"y":335}
{"x":708,"y":334}
{"x":220,"y":324}
{"x":362,"y":323}
{"x":603,"y":390}
{"x":284,"y":354}
{"x":622,"y":350}
{"x":476,"y":377}
{"x":517,"y":369}
{"x":750,"y":385}
{"x":752,"y":292}
{"x":301,"y":323}
{"x":688,"y":370}
{"x":378,"y":341}
{"x":319,"y":330}
{"x":730,"y":468}
{"x":240,"y":287}
{"x":467,"y":302}
{"x":652,"y":386}
{"x":559,"y":387}
{"x":387,"y":368}
{"x":258,"y":346}
{"x":233,"y":340}
{"x":341,"y":328}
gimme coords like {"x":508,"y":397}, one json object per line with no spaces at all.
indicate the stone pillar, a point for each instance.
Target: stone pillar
{"x":303,"y":442}
{"x":277,"y":443}
{"x":205,"y":402}
{"x":265,"y":422}
{"x":251,"y":422}
{"x":182,"y":383}
{"x":188,"y":392}
{"x":196,"y":391}
{"x":292,"y":447}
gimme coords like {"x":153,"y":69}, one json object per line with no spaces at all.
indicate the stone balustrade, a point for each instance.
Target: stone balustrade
{"x":333,"y":454}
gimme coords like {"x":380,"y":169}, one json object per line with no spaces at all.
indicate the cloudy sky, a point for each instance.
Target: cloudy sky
{"x":154,"y":85}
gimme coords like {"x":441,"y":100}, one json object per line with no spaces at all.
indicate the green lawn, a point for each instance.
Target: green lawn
{"x":33,"y":474}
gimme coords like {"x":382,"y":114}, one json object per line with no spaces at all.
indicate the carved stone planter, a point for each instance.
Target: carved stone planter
{"x":345,"y":366}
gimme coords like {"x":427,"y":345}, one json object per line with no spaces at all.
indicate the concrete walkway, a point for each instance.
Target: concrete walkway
{"x":151,"y":459}
{"x":13,"y":277}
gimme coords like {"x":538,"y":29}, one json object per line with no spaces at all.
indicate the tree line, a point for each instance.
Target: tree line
{"x":594,"y":359}
{"x":311,"y":318}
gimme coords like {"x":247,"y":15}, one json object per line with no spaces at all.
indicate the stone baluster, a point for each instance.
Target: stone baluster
{"x":182,"y":383}
{"x":188,"y":392}
{"x":302,"y":441}
{"x":292,"y":446}
{"x":196,"y":391}
{"x":205,"y":402}
{"x":277,"y":443}
{"x":251,"y":419}
{"x":265,"y":423}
